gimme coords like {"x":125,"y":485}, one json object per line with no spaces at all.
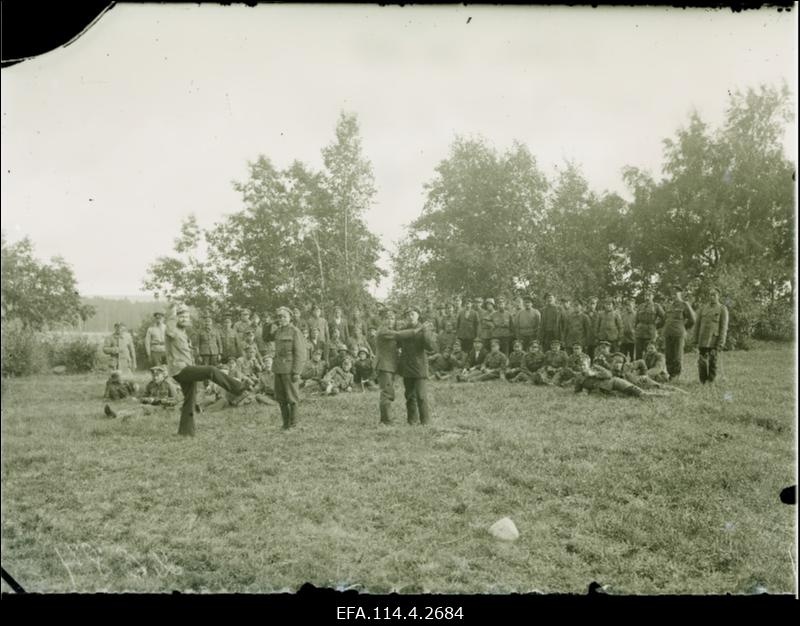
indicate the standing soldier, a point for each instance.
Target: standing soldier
{"x":231,"y":346}
{"x":386,"y":364}
{"x":678,"y":318}
{"x":649,"y":317}
{"x":608,"y":326}
{"x":628,"y":329}
{"x":243,"y":325}
{"x":591,"y":313}
{"x":338,"y":322}
{"x":182,"y":368}
{"x":414,"y":341}
{"x":552,"y":324}
{"x":154,"y":341}
{"x":527,"y":322}
{"x":298,"y":320}
{"x":576,"y":327}
{"x":486,"y":322}
{"x":208,"y":344}
{"x":290,"y":354}
{"x":319,"y":322}
{"x":502,"y":326}
{"x":258,"y":330}
{"x":710,"y":333}
{"x":467,"y":326}
{"x":119,"y":347}
{"x":357,"y":323}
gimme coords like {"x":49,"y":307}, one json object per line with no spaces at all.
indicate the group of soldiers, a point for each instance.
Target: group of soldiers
{"x":610,"y":347}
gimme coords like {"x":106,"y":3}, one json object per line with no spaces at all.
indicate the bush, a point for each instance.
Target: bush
{"x":77,"y":354}
{"x":776,"y":323}
{"x":23,"y":352}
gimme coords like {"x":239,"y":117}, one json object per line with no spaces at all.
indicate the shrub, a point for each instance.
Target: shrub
{"x":776,"y":322}
{"x":23,"y":352}
{"x":77,"y":353}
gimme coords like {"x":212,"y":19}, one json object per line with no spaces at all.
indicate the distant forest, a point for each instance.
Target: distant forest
{"x":111,"y":310}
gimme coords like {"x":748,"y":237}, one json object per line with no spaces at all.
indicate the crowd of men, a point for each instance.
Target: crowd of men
{"x":607,"y":346}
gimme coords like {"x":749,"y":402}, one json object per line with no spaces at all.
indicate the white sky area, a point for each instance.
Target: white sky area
{"x":109,"y":143}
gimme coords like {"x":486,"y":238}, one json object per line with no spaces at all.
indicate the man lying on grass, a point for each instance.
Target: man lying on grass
{"x":598,"y":378}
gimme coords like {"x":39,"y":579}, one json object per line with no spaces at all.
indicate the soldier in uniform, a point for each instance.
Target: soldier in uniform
{"x":710,"y":334}
{"x":120,"y":348}
{"x":526,"y":323}
{"x":678,"y":318}
{"x":159,"y":391}
{"x":441,"y":364}
{"x":231,"y":346}
{"x":447,"y":335}
{"x":636,"y":373}
{"x":154,"y":341}
{"x":414,"y":342}
{"x":290,"y":352}
{"x":628,"y":316}
{"x":458,"y":357}
{"x":493,"y":366}
{"x":486,"y":321}
{"x":554,"y":361}
{"x":467,"y":326}
{"x":258,"y":331}
{"x":515,"y":360}
{"x":475,"y":357}
{"x":591,"y":313}
{"x":655,"y":364}
{"x":502,"y":326}
{"x":386,"y":364}
{"x":649,"y":317}
{"x":552,"y":324}
{"x":243,"y":325}
{"x":339,"y":378}
{"x":608,"y":325}
{"x":576,"y":327}
{"x":314,"y":371}
{"x":364,"y":370}
{"x":338,"y":323}
{"x":117,"y":388}
{"x":208,"y":344}
{"x":181,"y":365}
{"x":533,"y":362}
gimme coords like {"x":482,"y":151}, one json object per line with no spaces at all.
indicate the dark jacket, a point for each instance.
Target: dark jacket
{"x":387,"y":357}
{"x":413,"y":343}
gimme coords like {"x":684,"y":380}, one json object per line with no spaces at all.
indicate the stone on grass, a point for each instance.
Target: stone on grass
{"x":60,"y":369}
{"x":504,"y":529}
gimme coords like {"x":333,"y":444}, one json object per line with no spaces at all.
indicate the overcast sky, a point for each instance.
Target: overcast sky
{"x":109,"y":143}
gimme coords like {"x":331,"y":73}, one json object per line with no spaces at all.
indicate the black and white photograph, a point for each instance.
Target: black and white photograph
{"x":459,"y":299}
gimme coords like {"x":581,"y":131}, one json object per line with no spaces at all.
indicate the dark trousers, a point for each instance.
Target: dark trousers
{"x":707,"y":364}
{"x":466,"y":344}
{"x":188,"y":378}
{"x":417,"y":400}
{"x":287,"y":395}
{"x":547,"y":337}
{"x":628,"y":349}
{"x":386,"y":384}
{"x":673,"y":352}
{"x":641,"y":347}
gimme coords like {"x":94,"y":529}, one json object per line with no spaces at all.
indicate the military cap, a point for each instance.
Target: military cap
{"x":245,"y":311}
{"x":158,"y":314}
{"x":489,"y":301}
{"x":603,"y":343}
{"x":527,"y":299}
{"x":619,"y":355}
{"x":182,"y":308}
{"x":413,"y":308}
{"x":157,"y":368}
{"x":284,"y":309}
{"x":363,"y":351}
{"x":499,"y":298}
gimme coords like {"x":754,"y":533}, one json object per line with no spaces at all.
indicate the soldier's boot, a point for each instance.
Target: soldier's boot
{"x":292,"y":415}
{"x":386,"y":417}
{"x":287,"y":424}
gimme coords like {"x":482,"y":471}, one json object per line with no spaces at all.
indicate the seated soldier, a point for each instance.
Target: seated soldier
{"x":636,"y":372}
{"x":555,"y":360}
{"x":215,"y":398}
{"x":342,"y":353}
{"x":364,"y":370}
{"x":458,"y":357}
{"x":119,"y":389}
{"x":534,"y":360}
{"x":250,"y":366}
{"x":599,"y":378}
{"x":159,"y":391}
{"x":602,"y":354}
{"x":314,"y":371}
{"x":357,"y":341}
{"x":441,"y":364}
{"x":656,"y":363}
{"x":494,"y":366}
{"x":475,"y":359}
{"x":250,"y":348}
{"x":339,"y":378}
{"x":576,"y":362}
{"x":516,"y":359}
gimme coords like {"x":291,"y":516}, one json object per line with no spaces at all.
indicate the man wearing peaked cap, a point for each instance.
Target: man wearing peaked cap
{"x":154,"y":345}
{"x":290,"y":356}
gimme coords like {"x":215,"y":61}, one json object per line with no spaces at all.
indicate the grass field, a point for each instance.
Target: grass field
{"x":673,"y":495}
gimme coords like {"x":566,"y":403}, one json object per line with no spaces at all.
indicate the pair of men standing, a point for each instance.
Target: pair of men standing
{"x":403,"y":352}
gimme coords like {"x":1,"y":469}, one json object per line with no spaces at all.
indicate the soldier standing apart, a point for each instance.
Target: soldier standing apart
{"x":467,"y":326}
{"x":154,"y":341}
{"x":710,"y":333}
{"x":386,"y":364}
{"x":231,"y":346}
{"x":678,"y":318}
{"x":290,"y":354}
{"x":413,"y":342}
{"x":119,"y":347}
{"x":649,"y":317}
{"x":182,"y":368}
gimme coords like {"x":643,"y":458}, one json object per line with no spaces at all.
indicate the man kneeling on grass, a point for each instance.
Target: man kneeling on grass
{"x":314,"y":371}
{"x":442,"y":364}
{"x":339,"y":378}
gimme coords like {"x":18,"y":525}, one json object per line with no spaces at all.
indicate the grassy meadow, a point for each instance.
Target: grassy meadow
{"x":673,"y":495}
